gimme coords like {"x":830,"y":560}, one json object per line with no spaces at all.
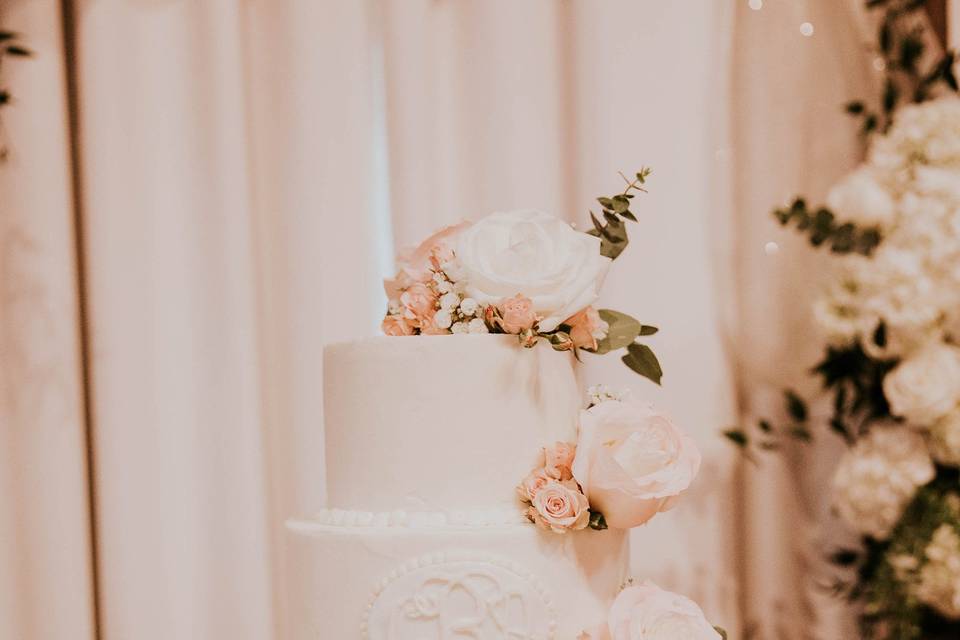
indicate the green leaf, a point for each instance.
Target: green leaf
{"x":597,"y":521}
{"x":765,"y":426}
{"x":641,"y":359}
{"x":606,"y":203}
{"x":15,"y":50}
{"x":623,"y":330}
{"x":844,"y":557}
{"x":880,"y":335}
{"x":854,"y":107}
{"x":648,"y":330}
{"x":737,"y":437}
{"x":796,"y":407}
{"x":629,"y":216}
{"x":721,"y":631}
{"x":7,"y":35}
{"x":620,"y":204}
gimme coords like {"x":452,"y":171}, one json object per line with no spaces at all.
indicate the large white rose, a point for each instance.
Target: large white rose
{"x":944,"y":439}
{"x":536,"y":255}
{"x":632,"y":462}
{"x":647,"y":612}
{"x":879,"y":476}
{"x":926,"y":386}
{"x":859,"y":198}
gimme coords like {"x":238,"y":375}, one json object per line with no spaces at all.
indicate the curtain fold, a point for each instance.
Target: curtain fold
{"x":180,"y":475}
{"x":46,"y":580}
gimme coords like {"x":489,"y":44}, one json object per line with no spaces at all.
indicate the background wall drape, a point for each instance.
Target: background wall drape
{"x":245,"y":172}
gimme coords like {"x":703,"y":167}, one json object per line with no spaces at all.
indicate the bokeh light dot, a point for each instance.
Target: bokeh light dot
{"x":806,"y":29}
{"x":771,"y":248}
{"x":756,"y":5}
{"x":879,"y":64}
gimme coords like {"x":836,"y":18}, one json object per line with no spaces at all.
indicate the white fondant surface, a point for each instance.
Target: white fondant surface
{"x":488,"y":583}
{"x":432,"y":423}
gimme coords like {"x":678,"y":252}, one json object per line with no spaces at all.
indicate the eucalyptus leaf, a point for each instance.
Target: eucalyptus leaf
{"x":648,"y":330}
{"x":623,"y":330}
{"x":641,"y":359}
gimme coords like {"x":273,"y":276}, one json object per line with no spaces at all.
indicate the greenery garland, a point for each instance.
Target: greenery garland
{"x":853,"y":378}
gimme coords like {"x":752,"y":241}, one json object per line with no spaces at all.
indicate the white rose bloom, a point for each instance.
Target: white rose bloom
{"x":944,"y":439}
{"x":859,"y":198}
{"x":926,"y":386}
{"x":459,"y":327}
{"x":879,"y":476}
{"x":647,"y":612}
{"x":536,"y":255}
{"x":449,"y":301}
{"x":442,"y":319}
{"x":468,"y":306}
{"x":477,"y":325}
{"x":939,"y":581}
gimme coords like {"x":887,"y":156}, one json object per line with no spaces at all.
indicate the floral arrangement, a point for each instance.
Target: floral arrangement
{"x":892,"y":359}
{"x":628,"y":464}
{"x":10,"y":46}
{"x":647,"y":612}
{"x":523,"y":273}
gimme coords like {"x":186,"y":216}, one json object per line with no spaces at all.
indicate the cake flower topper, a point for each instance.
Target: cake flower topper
{"x":524,"y":273}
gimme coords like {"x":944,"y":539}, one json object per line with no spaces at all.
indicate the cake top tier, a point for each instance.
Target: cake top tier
{"x":441,"y":423}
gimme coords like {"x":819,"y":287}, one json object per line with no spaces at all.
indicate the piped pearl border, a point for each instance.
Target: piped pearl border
{"x":349,"y":518}
{"x":448,"y":557}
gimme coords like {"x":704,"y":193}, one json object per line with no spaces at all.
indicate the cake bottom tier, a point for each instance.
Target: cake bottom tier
{"x":510,"y":582}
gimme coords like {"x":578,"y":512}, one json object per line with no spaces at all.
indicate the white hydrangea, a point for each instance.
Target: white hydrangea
{"x":944,"y":440}
{"x":861,"y":199}
{"x":879,"y":476}
{"x":459,"y":327}
{"x":938,"y":583}
{"x":910,"y":186}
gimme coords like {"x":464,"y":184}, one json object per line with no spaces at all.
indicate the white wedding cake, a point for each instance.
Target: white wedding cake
{"x":472,"y":493}
{"x":427,"y":438}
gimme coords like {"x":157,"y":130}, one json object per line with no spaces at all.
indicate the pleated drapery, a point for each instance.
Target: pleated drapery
{"x":217,"y":189}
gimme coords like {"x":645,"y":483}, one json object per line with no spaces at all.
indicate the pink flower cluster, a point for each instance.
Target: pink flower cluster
{"x":630,"y":463}
{"x":553,"y":498}
{"x":414,"y":293}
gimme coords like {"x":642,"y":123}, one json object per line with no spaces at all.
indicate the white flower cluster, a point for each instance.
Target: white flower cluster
{"x":601,"y":393}
{"x":909,"y":188}
{"x":879,"y":476}
{"x":457,"y":313}
{"x":938,"y":583}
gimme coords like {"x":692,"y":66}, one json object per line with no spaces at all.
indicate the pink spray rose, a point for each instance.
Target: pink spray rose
{"x":647,"y":612}
{"x":394,"y":325}
{"x":558,"y":460}
{"x":532,"y":484}
{"x":419,"y":302}
{"x":560,"y":506}
{"x":586,"y":327}
{"x":417,"y":265}
{"x":517,"y":314}
{"x":632,"y":462}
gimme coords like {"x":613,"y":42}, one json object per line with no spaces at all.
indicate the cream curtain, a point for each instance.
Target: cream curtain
{"x":245,"y":170}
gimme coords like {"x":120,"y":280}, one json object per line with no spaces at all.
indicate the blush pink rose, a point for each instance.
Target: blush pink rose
{"x":517,"y":314}
{"x":419,"y":263}
{"x":632,"y":462}
{"x":419,"y":302}
{"x":394,"y":325}
{"x":558,"y":460}
{"x":535,"y":481}
{"x":560,"y":507}
{"x":586,"y":327}
{"x":647,"y":612}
